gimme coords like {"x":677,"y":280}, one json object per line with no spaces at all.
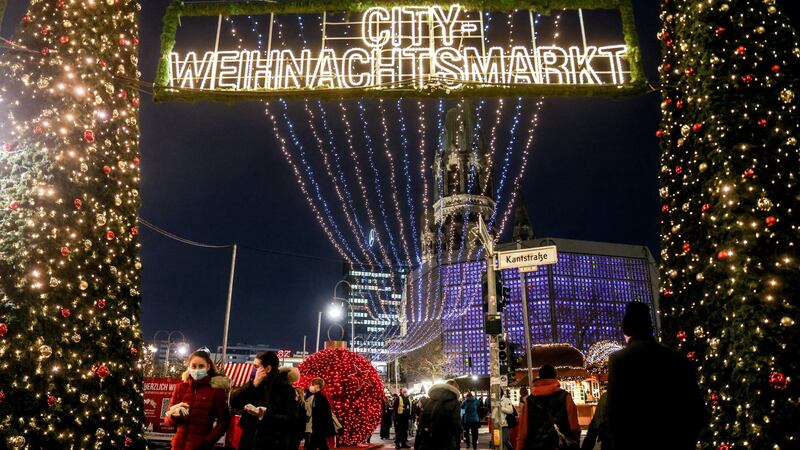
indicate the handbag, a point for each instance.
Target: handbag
{"x":337,"y":426}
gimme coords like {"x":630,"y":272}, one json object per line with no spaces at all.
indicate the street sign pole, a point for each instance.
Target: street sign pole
{"x":494,"y":349}
{"x":526,"y":323}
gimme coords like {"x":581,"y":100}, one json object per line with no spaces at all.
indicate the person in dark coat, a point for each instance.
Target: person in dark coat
{"x":321,"y":418}
{"x":402,"y":415}
{"x":598,"y":428}
{"x":386,"y":419}
{"x":472,"y":419}
{"x":633,"y":423}
{"x":265,"y":367}
{"x":196,"y":403}
{"x":301,"y":422}
{"x":440,"y":419}
{"x":276,"y":424}
{"x":548,"y":407}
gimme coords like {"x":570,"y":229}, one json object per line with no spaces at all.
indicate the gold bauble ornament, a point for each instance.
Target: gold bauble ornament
{"x":101,"y":219}
{"x":724,"y":7}
{"x":686,"y":130}
{"x":772,"y":10}
{"x":100,"y":433}
{"x":16,"y":442}
{"x":84,"y":398}
{"x":703,"y":167}
{"x":45,"y":351}
{"x":764,"y":204}
{"x":76,"y":338}
{"x":83,"y":285}
{"x":713,"y":343}
{"x":699,"y":332}
{"x":787,"y":321}
{"x":676,"y":228}
{"x":761,"y":30}
{"x":787,"y":95}
{"x":700,"y":277}
{"x":791,"y":141}
{"x":124,"y":322}
{"x":664,"y":192}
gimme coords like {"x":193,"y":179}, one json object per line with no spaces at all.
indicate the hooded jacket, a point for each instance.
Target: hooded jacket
{"x":440,"y":420}
{"x":544,"y":390}
{"x":276,"y":394}
{"x":208,"y":402}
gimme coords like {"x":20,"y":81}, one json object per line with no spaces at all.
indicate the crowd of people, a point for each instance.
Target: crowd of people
{"x":276,"y":416}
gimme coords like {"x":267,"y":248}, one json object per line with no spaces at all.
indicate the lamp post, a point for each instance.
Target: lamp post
{"x":352,"y":313}
{"x":182,"y":350}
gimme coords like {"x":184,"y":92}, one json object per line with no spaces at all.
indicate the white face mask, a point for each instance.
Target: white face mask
{"x":198,"y":374}
{"x":313,"y":389}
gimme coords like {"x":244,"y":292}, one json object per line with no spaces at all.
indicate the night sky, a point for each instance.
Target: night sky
{"x":212,"y":173}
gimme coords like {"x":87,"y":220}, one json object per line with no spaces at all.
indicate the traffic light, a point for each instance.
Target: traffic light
{"x":512,"y":359}
{"x":501,"y":291}
{"x":504,"y":356}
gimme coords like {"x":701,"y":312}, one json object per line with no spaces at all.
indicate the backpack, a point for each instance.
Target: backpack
{"x":544,"y":426}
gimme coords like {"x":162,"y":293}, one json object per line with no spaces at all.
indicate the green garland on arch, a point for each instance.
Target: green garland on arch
{"x":178,"y":9}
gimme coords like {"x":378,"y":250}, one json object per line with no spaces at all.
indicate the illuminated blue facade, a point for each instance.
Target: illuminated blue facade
{"x":579,"y":301}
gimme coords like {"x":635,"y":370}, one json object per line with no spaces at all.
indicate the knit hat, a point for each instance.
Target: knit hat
{"x":637,"y":321}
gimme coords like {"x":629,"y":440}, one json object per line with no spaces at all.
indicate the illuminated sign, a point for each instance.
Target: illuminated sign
{"x":434,"y":49}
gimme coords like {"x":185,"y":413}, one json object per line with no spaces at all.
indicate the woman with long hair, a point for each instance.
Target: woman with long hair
{"x":200,"y":400}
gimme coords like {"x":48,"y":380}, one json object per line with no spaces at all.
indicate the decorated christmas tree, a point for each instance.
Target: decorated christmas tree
{"x":69,"y":266}
{"x":729,"y":189}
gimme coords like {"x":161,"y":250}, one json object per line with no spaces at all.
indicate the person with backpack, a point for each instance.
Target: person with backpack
{"x":472,"y":420}
{"x":549,"y":419}
{"x":440,"y":419}
{"x":642,"y":364}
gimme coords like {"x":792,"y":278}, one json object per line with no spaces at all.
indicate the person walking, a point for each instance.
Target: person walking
{"x":303,"y":417}
{"x":200,"y":399}
{"x":506,"y":410}
{"x":598,"y":428}
{"x":321,"y":416}
{"x":254,"y":393}
{"x":402,"y":415}
{"x":513,"y":432}
{"x":386,"y":419}
{"x":276,"y":421}
{"x":549,"y":419}
{"x":642,"y":364}
{"x":472,"y":421}
{"x":440,"y":419}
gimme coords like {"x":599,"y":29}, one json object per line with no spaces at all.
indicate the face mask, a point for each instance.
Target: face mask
{"x":198,"y":374}
{"x":313,"y":389}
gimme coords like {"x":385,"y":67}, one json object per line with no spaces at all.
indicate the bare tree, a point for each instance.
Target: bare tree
{"x":427,"y":362}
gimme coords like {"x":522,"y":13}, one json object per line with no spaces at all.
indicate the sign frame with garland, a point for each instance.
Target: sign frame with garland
{"x":178,"y":9}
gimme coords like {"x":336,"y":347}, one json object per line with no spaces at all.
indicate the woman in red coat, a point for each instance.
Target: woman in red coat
{"x":197,"y":403}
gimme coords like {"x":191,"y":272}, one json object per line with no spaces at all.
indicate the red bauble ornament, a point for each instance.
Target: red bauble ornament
{"x":705,"y":208}
{"x":665,"y":208}
{"x":679,"y":104}
{"x":2,"y":396}
{"x":13,"y":205}
{"x":88,"y":136}
{"x":122,"y":93}
{"x":659,"y":133}
{"x":110,"y":235}
{"x":681,"y":335}
{"x":741,"y":50}
{"x":135,"y":40}
{"x":667,"y":292}
{"x":134,"y":231}
{"x":353,"y":387}
{"x":135,"y":101}
{"x":723,"y":447}
{"x":63,"y":39}
{"x":77,"y":202}
{"x":724,"y":254}
{"x":678,"y":170}
{"x":52,"y":400}
{"x":697,"y":127}
{"x":106,"y":169}
{"x":669,"y":43}
{"x":65,"y":312}
{"x":747,"y":79}
{"x":664,"y":35}
{"x":136,"y":160}
{"x":748,"y":173}
{"x":7,"y":147}
{"x":691,"y":356}
{"x":770,"y":221}
{"x":101,"y":303}
{"x":667,"y":67}
{"x":26,"y":19}
{"x":3,"y":329}
{"x":776,"y":68}
{"x":101,"y":62}
{"x":690,"y":71}
{"x":60,"y":4}
{"x":44,"y":30}
{"x":778,"y":381}
{"x":762,"y":122}
{"x":719,"y":31}
{"x":102,"y":371}
{"x":134,"y":351}
{"x":714,"y":397}
{"x":38,"y":130}
{"x":687,"y":247}
{"x":64,"y":251}
{"x":128,"y":441}
{"x":44,"y":51}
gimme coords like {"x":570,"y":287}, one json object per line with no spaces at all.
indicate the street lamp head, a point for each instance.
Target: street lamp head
{"x":152,"y":348}
{"x":183,"y":350}
{"x":335,"y":311}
